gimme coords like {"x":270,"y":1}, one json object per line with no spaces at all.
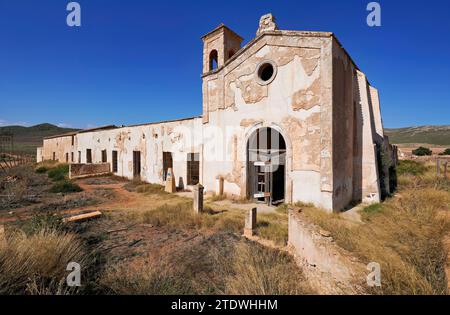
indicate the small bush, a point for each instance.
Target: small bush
{"x":150,"y":189}
{"x":282,"y":209}
{"x":446,"y":152}
{"x":144,"y":279}
{"x":41,"y":170}
{"x":65,"y":187}
{"x":41,"y":222}
{"x":182,"y":216}
{"x":260,"y":271}
{"x":215,"y":198}
{"x":422,"y":151}
{"x":59,"y":172}
{"x":411,"y":167}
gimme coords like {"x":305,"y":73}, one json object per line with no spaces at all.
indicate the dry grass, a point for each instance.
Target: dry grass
{"x":404,"y":235}
{"x":215,"y":197}
{"x":255,"y":270}
{"x":232,"y":266}
{"x":36,"y":264}
{"x":144,"y":279}
{"x":274,"y":227}
{"x":182,"y":216}
{"x":151,"y":189}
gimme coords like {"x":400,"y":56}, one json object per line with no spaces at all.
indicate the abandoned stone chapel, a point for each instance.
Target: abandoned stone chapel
{"x":288,"y":117}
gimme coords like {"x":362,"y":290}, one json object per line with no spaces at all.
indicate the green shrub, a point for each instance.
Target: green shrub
{"x":41,"y":222}
{"x":411,"y":167}
{"x":59,"y":173}
{"x":422,"y":151}
{"x":41,"y":170}
{"x":65,"y":186}
{"x":446,"y":152}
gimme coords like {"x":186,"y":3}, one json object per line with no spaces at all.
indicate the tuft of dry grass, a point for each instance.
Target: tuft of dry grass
{"x":255,"y":270}
{"x":274,"y":227}
{"x":36,"y":264}
{"x":182,"y":216}
{"x":403,"y":234}
{"x":144,"y":279}
{"x":215,"y":197}
{"x":151,"y":189}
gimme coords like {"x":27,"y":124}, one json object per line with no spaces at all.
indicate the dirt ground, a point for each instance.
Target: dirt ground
{"x":122,"y":237}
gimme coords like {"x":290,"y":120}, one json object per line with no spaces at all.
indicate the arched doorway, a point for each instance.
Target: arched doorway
{"x":266,"y":166}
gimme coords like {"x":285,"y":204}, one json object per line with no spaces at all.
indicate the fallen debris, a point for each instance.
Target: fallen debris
{"x":134,"y":242}
{"x":83,"y":217}
{"x":116,"y":231}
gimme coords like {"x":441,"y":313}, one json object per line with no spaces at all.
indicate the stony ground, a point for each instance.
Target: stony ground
{"x":124,"y":240}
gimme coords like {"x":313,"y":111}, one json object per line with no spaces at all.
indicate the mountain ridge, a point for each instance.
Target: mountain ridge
{"x":27,"y":139}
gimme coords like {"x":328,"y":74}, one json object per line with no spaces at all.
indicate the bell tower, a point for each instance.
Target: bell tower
{"x":219,"y":45}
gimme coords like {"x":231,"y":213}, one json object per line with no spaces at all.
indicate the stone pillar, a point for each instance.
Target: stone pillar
{"x":170,"y":181}
{"x":198,"y":198}
{"x":221,"y":183}
{"x":250,"y":222}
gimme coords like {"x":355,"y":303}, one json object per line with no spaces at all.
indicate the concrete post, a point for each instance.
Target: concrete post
{"x":250,"y":222}
{"x":170,"y":182}
{"x":445,"y":169}
{"x":221,"y":183}
{"x":198,"y":198}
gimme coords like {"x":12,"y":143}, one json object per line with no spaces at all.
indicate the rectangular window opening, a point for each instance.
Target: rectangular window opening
{"x":193,"y":168}
{"x":88,"y":156}
{"x":167,"y":163}
{"x":114,"y":161}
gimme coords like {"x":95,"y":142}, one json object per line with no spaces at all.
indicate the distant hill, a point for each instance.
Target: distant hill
{"x":27,"y":139}
{"x":437,"y":135}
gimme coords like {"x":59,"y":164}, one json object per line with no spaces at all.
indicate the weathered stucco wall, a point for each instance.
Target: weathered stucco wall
{"x":179,"y":137}
{"x":58,"y":145}
{"x":344,"y":136}
{"x":297,"y":103}
{"x":82,"y":170}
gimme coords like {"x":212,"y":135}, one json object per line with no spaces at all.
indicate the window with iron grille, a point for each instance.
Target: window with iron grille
{"x":193,"y":168}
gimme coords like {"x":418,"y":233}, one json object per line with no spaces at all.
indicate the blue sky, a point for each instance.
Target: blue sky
{"x":140,"y":61}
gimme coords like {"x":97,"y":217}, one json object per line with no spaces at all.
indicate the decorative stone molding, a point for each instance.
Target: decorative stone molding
{"x":267,"y":23}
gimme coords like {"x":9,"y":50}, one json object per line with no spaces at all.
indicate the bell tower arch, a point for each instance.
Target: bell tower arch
{"x":219,"y":45}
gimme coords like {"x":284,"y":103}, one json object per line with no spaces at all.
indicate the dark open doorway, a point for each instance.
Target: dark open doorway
{"x":114,"y":161}
{"x":137,"y":164}
{"x":266,"y":160}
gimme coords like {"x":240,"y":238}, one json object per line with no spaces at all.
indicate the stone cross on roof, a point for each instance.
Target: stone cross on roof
{"x":266,"y":23}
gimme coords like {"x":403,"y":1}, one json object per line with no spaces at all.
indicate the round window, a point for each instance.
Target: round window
{"x":266,"y":72}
